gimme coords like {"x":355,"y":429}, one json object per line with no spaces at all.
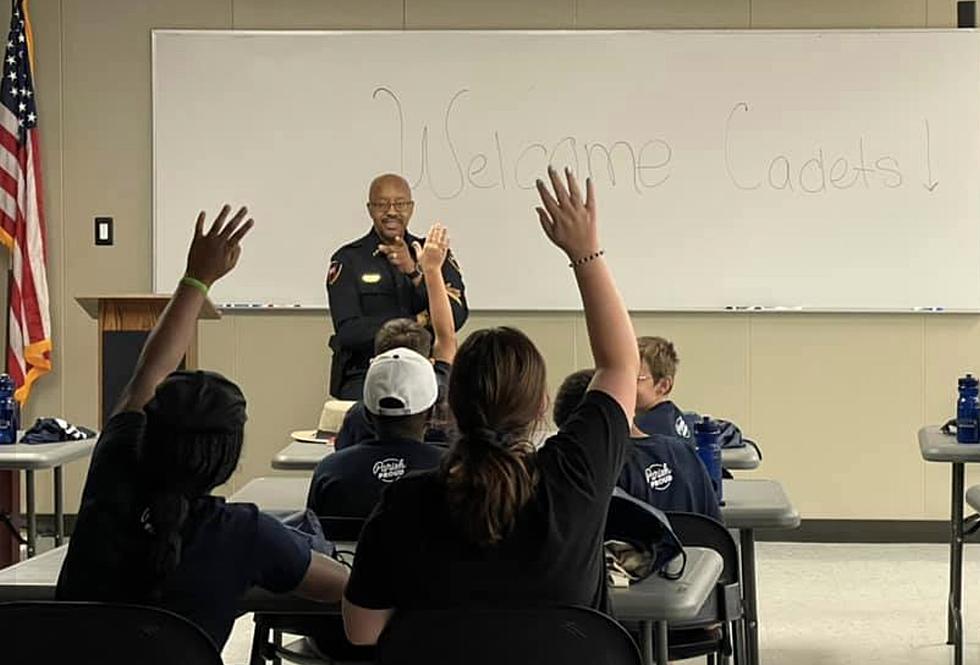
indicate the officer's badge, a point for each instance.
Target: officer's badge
{"x":371,"y":277}
{"x":333,"y":273}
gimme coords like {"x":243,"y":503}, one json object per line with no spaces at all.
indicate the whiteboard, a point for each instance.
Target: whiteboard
{"x":780,"y":169}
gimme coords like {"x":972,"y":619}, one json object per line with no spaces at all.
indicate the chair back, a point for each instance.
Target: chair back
{"x":696,"y":530}
{"x":60,"y":632}
{"x":516,"y":636}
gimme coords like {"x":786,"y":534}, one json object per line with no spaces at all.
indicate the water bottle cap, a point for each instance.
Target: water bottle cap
{"x":969,"y":381}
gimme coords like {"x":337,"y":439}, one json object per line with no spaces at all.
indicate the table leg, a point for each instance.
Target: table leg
{"x":662,"y":647}
{"x":59,"y":507}
{"x":751,"y":619}
{"x":646,"y":642}
{"x":954,"y":628}
{"x":31,"y":515}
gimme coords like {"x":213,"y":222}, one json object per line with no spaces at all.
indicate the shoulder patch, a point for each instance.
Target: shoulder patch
{"x":454,"y":294}
{"x":333,"y":272}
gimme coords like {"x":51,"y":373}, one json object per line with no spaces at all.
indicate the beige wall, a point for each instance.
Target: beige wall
{"x":835,"y":400}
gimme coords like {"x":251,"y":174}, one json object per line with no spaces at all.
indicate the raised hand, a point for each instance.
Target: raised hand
{"x":433,"y":253}
{"x":567,"y":220}
{"x":398,"y":255}
{"x":213,"y":254}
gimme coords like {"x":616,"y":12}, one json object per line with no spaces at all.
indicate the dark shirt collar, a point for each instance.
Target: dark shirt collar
{"x":399,"y":441}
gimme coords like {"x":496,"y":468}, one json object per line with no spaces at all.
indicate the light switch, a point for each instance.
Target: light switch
{"x":103,"y":230}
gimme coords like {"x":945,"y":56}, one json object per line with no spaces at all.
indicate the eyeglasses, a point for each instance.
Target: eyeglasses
{"x":382,"y":206}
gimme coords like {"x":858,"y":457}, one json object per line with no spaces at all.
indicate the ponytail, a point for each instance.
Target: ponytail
{"x":497,"y":394}
{"x":162,"y":522}
{"x":488,"y":482}
{"x":178,"y":469}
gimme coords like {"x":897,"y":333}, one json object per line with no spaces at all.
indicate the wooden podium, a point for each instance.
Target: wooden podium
{"x":125,"y":321}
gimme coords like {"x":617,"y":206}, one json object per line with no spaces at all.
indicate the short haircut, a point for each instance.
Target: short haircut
{"x":660,"y":356}
{"x":570,"y":395}
{"x":403,"y":333}
{"x":400,"y":427}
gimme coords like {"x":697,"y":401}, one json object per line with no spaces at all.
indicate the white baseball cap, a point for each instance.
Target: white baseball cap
{"x":400,"y":382}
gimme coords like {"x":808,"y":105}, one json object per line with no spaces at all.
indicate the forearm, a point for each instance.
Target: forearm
{"x":609,"y":326}
{"x":441,"y":317}
{"x":165,"y":346}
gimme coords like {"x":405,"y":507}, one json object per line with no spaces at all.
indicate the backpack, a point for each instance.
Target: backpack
{"x":653,"y":545}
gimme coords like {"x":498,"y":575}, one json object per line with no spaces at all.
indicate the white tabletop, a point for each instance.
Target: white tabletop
{"x":32,"y":456}
{"x":301,"y":456}
{"x":653,"y":599}
{"x":745,"y":458}
{"x":938,"y":447}
{"x":757,"y":504}
{"x":278,"y":495}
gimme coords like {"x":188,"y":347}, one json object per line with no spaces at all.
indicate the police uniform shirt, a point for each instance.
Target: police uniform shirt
{"x":665,"y":472}
{"x":357,"y":426}
{"x":364,"y":291}
{"x":666,"y":419}
{"x":349,"y":482}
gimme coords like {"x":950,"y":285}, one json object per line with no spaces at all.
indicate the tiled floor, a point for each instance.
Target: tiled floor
{"x":840,"y":604}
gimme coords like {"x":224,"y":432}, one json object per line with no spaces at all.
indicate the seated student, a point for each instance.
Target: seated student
{"x":413,"y":335}
{"x":148,"y":531}
{"x":655,"y":413}
{"x":498,"y":522}
{"x":660,"y":469}
{"x":400,"y":390}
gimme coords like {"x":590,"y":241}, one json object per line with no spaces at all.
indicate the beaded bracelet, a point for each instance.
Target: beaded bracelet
{"x":585,"y":259}
{"x":195,"y":283}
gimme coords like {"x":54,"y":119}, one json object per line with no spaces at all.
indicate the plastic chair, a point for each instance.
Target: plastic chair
{"x":516,"y":636}
{"x":82,"y":633}
{"x":692,"y":639}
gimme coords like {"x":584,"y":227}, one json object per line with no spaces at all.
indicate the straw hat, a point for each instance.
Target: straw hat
{"x":331,"y":418}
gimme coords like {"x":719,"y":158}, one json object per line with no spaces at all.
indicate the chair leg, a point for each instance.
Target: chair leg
{"x":260,"y":637}
{"x":277,"y":641}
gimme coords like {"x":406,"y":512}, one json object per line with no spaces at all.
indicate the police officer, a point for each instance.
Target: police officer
{"x":376,"y":278}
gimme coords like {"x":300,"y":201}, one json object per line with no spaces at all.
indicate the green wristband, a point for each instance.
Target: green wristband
{"x":196,"y":283}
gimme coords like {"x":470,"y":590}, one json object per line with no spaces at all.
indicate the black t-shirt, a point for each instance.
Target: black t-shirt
{"x":348,"y":483}
{"x":411,"y":556}
{"x":665,"y":472}
{"x":665,"y":418}
{"x":226,"y":548}
{"x":357,"y":426}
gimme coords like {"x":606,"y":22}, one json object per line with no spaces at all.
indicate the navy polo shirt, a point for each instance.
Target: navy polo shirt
{"x":665,"y":472}
{"x":349,"y":482}
{"x":226,"y":548}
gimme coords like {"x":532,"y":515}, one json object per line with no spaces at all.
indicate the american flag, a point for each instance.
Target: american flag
{"x":22,"y":210}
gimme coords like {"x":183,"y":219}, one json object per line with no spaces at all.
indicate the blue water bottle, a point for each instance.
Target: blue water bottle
{"x":968,"y":410}
{"x":707,"y":437}
{"x":8,"y":411}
